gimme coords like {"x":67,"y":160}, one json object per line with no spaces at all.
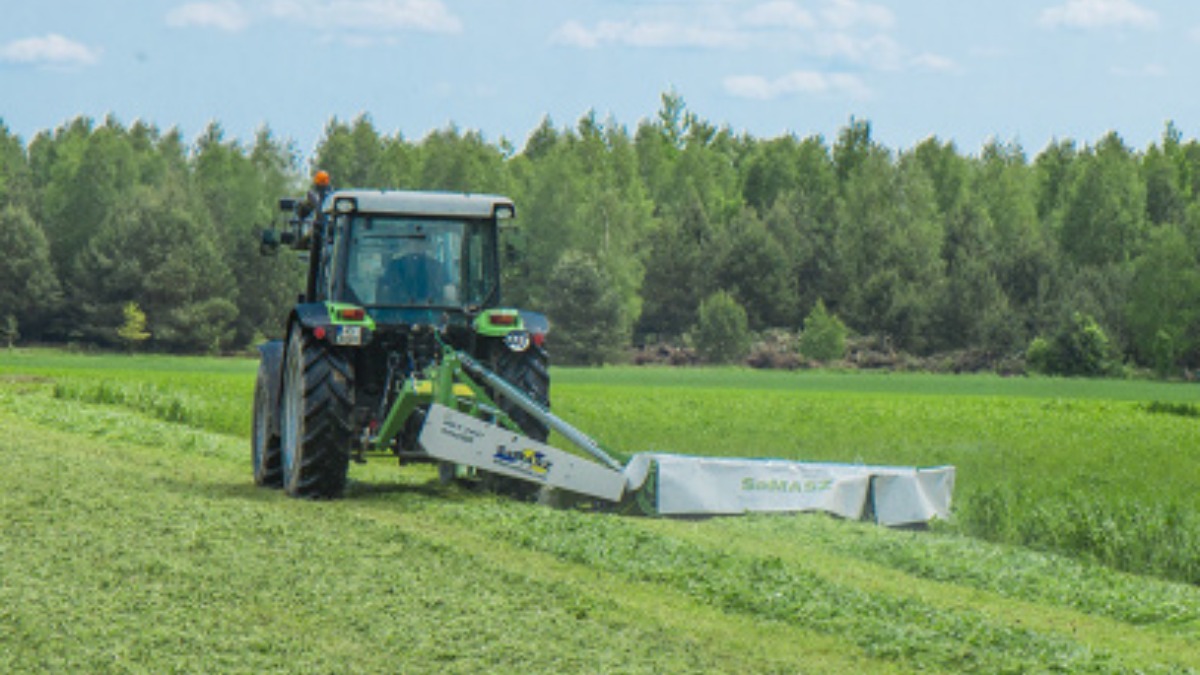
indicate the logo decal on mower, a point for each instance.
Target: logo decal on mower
{"x":783,"y":485}
{"x":530,"y":462}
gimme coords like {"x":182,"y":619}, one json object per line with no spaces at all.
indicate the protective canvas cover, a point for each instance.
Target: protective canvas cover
{"x":714,"y":486}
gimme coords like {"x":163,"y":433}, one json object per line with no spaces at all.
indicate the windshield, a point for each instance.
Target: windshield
{"x":418,"y":262}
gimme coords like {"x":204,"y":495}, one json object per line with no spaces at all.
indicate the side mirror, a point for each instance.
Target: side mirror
{"x":269,"y":244}
{"x":287,"y":204}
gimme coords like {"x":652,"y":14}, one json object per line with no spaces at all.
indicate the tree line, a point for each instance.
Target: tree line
{"x":624,"y":235}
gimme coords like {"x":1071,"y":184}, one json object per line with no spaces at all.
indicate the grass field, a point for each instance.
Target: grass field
{"x":134,"y":541}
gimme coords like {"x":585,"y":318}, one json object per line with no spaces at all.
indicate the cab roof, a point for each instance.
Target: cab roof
{"x":413,"y":203}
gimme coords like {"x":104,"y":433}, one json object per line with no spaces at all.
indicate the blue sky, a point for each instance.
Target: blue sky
{"x":1023,"y":70}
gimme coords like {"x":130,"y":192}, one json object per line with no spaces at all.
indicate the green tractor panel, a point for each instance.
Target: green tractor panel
{"x":395,"y":278}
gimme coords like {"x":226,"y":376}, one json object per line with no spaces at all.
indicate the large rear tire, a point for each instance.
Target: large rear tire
{"x":264,"y":445}
{"x":315,"y":422}
{"x":528,"y":371}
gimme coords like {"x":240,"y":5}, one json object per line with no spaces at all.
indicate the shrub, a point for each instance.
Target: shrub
{"x":1080,"y":347}
{"x":133,"y":332}
{"x":824,"y":336}
{"x":722,"y":335}
{"x":1037,"y":356}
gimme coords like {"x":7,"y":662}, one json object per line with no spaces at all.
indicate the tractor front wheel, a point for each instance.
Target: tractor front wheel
{"x":264,"y":445}
{"x":315,"y":422}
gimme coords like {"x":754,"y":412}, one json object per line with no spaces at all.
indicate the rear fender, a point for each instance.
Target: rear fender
{"x":323,"y":320}
{"x":311,"y":315}
{"x":517,"y":327}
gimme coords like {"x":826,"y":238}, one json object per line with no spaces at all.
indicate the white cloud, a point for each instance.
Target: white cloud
{"x":797,"y":82}
{"x":934,"y":62}
{"x":227,"y":16}
{"x":847,"y":30}
{"x":851,"y":13}
{"x":575,"y":34}
{"x":52,"y":51}
{"x":430,"y":16}
{"x":828,"y":39}
{"x":779,"y":14}
{"x":353,"y":21}
{"x":1090,"y":14}
{"x":643,"y":34}
{"x":879,"y":51}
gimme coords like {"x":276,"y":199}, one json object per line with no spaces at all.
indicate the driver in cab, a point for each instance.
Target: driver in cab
{"x":414,"y":277}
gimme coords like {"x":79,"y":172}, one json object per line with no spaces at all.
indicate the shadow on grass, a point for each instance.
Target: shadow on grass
{"x":357,"y":491}
{"x":432,"y":489}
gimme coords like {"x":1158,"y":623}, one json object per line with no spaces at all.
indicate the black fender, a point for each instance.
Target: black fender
{"x":314,"y":318}
{"x":310,"y":315}
{"x":270,"y":366}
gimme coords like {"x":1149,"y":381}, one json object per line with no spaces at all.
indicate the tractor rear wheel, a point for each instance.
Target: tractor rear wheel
{"x":264,"y":445}
{"x":315,"y":423}
{"x":528,"y":371}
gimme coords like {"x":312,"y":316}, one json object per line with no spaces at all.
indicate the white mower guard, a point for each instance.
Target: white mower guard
{"x":888,"y":495}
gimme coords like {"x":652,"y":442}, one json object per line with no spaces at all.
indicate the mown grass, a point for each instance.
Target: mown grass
{"x":1104,"y":470}
{"x":136,"y":545}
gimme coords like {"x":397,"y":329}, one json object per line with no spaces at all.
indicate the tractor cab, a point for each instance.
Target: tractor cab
{"x":397,"y":253}
{"x":406,"y":254}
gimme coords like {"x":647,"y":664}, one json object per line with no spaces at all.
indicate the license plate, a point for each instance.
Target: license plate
{"x":349,"y":335}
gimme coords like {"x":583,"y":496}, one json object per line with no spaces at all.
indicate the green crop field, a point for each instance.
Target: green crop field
{"x":133,"y":540}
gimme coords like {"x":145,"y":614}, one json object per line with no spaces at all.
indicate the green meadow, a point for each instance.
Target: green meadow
{"x":133,"y":540}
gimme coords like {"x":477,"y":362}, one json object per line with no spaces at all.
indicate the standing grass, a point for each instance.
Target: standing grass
{"x":1092,"y":472}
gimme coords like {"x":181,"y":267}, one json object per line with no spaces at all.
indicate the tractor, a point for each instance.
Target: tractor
{"x":395,"y":281}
